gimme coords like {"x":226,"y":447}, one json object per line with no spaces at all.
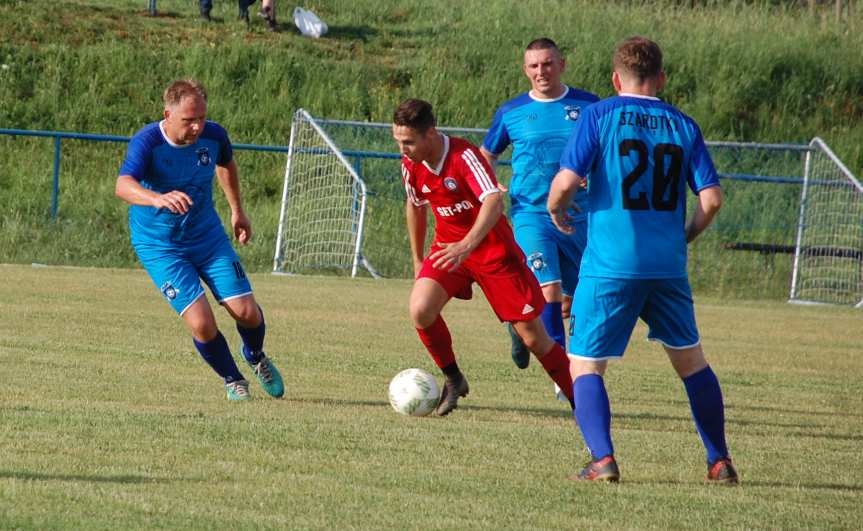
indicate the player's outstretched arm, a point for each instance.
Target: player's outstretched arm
{"x":229,"y":182}
{"x":130,"y":190}
{"x":415,"y":216}
{"x":451,"y":255}
{"x":563,"y":188}
{"x":708,"y":204}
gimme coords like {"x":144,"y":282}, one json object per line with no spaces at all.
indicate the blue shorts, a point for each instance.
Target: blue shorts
{"x":554,"y":257}
{"x":608,"y":309}
{"x":177,"y":271}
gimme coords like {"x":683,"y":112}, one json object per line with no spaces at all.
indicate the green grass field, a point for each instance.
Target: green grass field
{"x":108,"y":420}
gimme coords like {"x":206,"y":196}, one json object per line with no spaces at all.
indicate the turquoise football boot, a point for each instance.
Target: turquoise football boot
{"x":238,"y":390}
{"x":267,"y":373}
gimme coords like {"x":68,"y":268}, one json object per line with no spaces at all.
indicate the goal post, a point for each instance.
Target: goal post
{"x":792,"y":215}
{"x":322,"y":214}
{"x":828,"y":257}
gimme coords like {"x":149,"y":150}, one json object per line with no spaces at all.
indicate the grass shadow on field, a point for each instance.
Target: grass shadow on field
{"x":736,"y":406}
{"x":791,"y":429}
{"x":351,"y":33}
{"x":533,"y":411}
{"x":785,"y":411}
{"x":539,"y":412}
{"x":338,"y":401}
{"x":803,"y":485}
{"x":744,"y":483}
{"x":125,"y":479}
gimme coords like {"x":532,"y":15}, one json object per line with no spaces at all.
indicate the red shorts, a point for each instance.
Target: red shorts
{"x":512,"y":290}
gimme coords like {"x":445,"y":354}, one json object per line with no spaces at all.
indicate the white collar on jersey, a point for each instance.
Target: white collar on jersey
{"x":168,"y":140}
{"x":439,"y":167}
{"x":549,"y":100}
{"x":642,"y":96}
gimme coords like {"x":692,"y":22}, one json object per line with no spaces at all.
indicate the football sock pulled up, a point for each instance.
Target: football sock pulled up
{"x":708,"y":411}
{"x":593,"y":414}
{"x":438,"y":342}
{"x":556,"y":364}
{"x":218,"y":356}
{"x":253,"y":339}
{"x":553,"y":321}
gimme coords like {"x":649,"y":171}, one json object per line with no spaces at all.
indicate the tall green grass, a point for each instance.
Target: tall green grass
{"x":749,"y":71}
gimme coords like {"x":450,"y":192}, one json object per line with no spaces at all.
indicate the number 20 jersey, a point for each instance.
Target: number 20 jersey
{"x":638,"y":155}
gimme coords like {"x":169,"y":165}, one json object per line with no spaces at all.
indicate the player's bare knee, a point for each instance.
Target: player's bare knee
{"x":249,"y":316}
{"x":687,"y":361}
{"x":204,"y":331}
{"x":533,"y":344}
{"x":540,"y":346}
{"x":534,"y":336}
{"x":580,"y":367}
{"x":422,"y":314}
{"x":244,"y":310}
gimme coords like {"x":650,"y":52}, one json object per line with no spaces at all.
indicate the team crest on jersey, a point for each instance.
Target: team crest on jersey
{"x":450,"y":184}
{"x":572,"y":112}
{"x":169,"y":291}
{"x":203,"y":157}
{"x":536,"y":261}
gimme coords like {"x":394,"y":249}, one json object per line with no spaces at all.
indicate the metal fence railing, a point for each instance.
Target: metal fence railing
{"x":58,"y":137}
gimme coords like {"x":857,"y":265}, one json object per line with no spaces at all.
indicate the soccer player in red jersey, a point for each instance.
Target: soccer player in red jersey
{"x":472,"y":243}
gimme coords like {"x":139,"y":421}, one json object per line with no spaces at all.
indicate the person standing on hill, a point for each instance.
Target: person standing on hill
{"x":537,"y":124}
{"x":638,"y":155}
{"x":472,"y":243}
{"x":268,"y":13}
{"x":167,"y":178}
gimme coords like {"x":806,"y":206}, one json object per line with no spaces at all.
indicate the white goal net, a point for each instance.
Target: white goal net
{"x":323,"y":206}
{"x":828,"y":259}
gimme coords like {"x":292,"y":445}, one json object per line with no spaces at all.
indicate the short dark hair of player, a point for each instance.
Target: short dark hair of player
{"x":416,"y":114}
{"x":542,"y":43}
{"x":183,"y":88}
{"x":638,"y":57}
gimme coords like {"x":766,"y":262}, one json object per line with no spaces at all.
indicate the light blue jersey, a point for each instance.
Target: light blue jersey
{"x":538,"y":131}
{"x":178,"y":250}
{"x":163,"y":167}
{"x":638,"y":155}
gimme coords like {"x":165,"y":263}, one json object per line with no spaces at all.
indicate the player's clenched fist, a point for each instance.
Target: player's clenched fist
{"x":176,"y":201}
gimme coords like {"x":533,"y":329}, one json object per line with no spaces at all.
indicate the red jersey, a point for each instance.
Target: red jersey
{"x":455,"y":191}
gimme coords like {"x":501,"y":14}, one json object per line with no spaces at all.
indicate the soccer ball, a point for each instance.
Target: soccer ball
{"x":414,"y":392}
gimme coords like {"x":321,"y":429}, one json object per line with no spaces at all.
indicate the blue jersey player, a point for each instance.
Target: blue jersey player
{"x":537,"y":124}
{"x":638,"y":155}
{"x":167,"y":178}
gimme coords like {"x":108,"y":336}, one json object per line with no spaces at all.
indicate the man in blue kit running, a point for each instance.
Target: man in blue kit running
{"x":167,"y":178}
{"x":538,"y":124}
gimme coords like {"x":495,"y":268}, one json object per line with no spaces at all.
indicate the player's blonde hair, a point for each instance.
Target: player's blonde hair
{"x":638,"y":57}
{"x":183,"y":88}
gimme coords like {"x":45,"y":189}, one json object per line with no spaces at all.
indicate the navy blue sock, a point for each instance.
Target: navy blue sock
{"x":218,"y":356}
{"x":708,"y":411}
{"x":553,"y":322}
{"x":253,"y":340}
{"x":593,"y":414}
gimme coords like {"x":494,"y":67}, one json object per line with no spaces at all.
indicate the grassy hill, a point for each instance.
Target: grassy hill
{"x":745,"y":70}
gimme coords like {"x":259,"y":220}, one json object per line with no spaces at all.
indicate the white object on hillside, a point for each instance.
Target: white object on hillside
{"x":308,"y":23}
